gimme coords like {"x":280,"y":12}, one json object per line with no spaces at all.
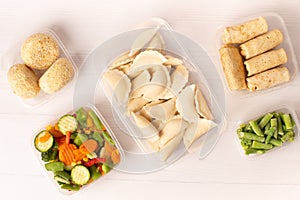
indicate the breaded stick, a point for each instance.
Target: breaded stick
{"x":233,"y":67}
{"x":244,"y":32}
{"x":268,"y":79}
{"x":261,"y":44}
{"x":265,"y":61}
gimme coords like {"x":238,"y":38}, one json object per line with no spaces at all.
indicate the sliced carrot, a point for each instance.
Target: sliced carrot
{"x":90,"y":145}
{"x":55,"y":131}
{"x":108,"y":148}
{"x":45,"y":137}
{"x":115,"y":156}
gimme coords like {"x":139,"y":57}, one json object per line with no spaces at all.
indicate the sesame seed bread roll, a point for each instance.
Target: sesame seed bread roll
{"x":244,"y":32}
{"x":268,"y":79}
{"x":39,"y":51}
{"x":57,"y":76}
{"x":23,"y":81}
{"x":261,"y":44}
{"x":265,"y":61}
{"x":233,"y":67}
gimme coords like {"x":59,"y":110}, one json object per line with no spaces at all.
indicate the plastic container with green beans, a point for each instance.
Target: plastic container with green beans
{"x":268,"y":131}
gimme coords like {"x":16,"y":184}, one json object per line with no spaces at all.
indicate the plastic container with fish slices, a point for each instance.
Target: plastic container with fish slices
{"x":13,"y":56}
{"x":275,"y":21}
{"x":139,"y":156}
{"x":103,"y":153}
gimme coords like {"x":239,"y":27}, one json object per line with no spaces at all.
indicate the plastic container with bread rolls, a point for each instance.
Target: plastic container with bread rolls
{"x":13,"y":56}
{"x":274,"y":21}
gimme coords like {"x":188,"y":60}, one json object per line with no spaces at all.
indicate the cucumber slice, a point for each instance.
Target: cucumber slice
{"x":67,"y":123}
{"x":80,"y":175}
{"x":61,"y":180}
{"x":43,"y":141}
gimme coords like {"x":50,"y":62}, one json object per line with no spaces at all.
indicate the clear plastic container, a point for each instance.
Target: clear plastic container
{"x":280,"y":108}
{"x":140,"y":158}
{"x":107,"y":162}
{"x":274,"y":21}
{"x":13,"y":56}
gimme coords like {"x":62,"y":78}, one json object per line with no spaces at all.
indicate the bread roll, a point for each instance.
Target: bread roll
{"x":233,"y":67}
{"x":57,"y":76}
{"x":268,"y":78}
{"x":244,"y":32}
{"x":23,"y":81}
{"x":39,"y":51}
{"x":265,"y":61}
{"x":261,"y":44}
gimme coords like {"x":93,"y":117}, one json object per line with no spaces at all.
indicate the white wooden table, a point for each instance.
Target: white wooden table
{"x":83,"y":25}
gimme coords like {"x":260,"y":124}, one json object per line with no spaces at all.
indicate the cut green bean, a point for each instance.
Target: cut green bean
{"x":288,"y":136}
{"x":275,"y":142}
{"x":256,"y":128}
{"x":270,"y":134}
{"x":274,"y":122}
{"x":259,"y":145}
{"x":287,"y":121}
{"x":263,"y":122}
{"x":251,"y":136}
{"x":267,"y":127}
{"x":254,"y":151}
{"x":248,"y":128}
{"x":279,"y":125}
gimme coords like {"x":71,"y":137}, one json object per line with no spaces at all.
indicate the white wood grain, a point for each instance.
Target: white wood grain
{"x":83,"y":25}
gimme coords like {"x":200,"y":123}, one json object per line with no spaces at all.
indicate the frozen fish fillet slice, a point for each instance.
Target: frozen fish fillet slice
{"x":140,"y":80}
{"x":163,"y":111}
{"x":179,"y":78}
{"x":172,"y":128}
{"x":147,"y":129}
{"x":119,"y":83}
{"x":134,"y":105}
{"x":170,"y":147}
{"x":185,"y":104}
{"x":201,"y":105}
{"x":149,"y":57}
{"x":195,"y":130}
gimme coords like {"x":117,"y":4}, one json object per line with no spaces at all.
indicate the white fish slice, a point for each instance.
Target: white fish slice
{"x":147,"y":129}
{"x":185,"y":104}
{"x":195,"y":130}
{"x":170,"y":147}
{"x":163,"y":111}
{"x":201,"y":105}
{"x":119,"y":84}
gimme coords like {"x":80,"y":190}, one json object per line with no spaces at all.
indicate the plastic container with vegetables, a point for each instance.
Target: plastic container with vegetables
{"x":269,"y":131}
{"x":77,"y":149}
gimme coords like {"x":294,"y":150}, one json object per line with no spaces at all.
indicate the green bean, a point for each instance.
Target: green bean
{"x":280,"y":130}
{"x":289,"y":134}
{"x":256,"y":128}
{"x":252,"y":151}
{"x":287,"y":121}
{"x":267,"y":127}
{"x":248,"y":128}
{"x":259,"y":145}
{"x":96,"y":120}
{"x":263,"y":122}
{"x":251,"y":136}
{"x":270,"y":134}
{"x":274,"y":122}
{"x":70,"y":187}
{"x":275,"y":142}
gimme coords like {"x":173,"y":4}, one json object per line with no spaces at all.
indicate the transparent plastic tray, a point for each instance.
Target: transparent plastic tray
{"x":274,"y":21}
{"x":13,"y":56}
{"x":280,"y":108}
{"x":50,"y":174}
{"x":140,"y":158}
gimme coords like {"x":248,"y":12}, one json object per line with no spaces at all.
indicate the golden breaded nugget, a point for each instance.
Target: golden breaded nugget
{"x":265,"y":61}
{"x":233,"y":67}
{"x":244,"y":32}
{"x":268,"y":79}
{"x":261,"y":44}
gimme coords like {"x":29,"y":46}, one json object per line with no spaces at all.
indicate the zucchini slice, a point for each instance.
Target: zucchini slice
{"x":61,"y":180}
{"x":80,"y":175}
{"x":43,"y":141}
{"x":67,"y":123}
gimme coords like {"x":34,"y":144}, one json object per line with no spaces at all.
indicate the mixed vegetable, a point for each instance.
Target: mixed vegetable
{"x":77,"y":149}
{"x":267,"y":132}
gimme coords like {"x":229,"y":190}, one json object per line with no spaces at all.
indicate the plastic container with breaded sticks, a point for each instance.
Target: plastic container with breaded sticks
{"x":275,"y":21}
{"x":13,"y":56}
{"x":139,"y":156}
